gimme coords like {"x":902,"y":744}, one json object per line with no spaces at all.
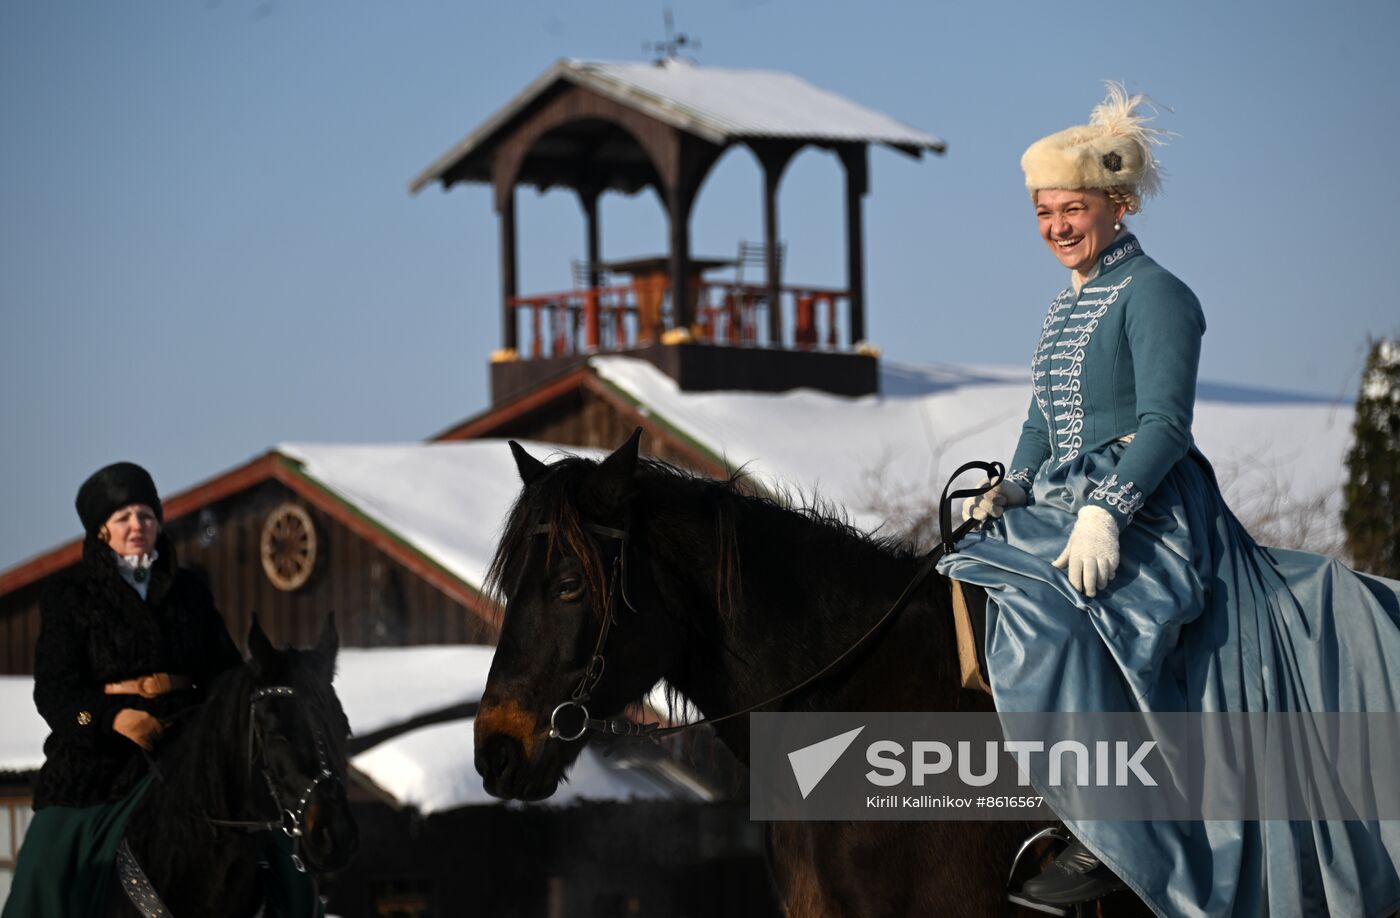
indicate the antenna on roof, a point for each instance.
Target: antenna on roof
{"x":670,"y":49}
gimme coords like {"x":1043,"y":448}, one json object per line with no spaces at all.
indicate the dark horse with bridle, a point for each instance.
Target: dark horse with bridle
{"x":263,"y":756}
{"x":732,"y":599}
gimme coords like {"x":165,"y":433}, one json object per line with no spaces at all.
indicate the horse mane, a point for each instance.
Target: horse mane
{"x":560,"y":501}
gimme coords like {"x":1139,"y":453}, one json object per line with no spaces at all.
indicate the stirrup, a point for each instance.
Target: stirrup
{"x":1014,"y":895}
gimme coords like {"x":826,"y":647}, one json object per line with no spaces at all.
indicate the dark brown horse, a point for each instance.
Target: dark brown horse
{"x":265,"y":753}
{"x":738,"y":598}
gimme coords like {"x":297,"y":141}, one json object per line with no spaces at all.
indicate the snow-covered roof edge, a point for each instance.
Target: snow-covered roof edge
{"x":611,"y":79}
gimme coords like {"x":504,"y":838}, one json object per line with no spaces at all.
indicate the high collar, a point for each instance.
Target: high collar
{"x":98,"y":555}
{"x":1118,"y":251}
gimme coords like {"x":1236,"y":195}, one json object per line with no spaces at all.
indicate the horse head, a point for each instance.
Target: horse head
{"x":564,"y":567}
{"x":297,"y":733}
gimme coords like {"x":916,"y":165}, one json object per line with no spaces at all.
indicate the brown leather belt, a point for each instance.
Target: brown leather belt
{"x":149,"y":686}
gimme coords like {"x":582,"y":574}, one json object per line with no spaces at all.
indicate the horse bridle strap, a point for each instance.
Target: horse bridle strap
{"x":137,"y":885}
{"x":289,"y":818}
{"x":620,"y":726}
{"x":593,"y":672}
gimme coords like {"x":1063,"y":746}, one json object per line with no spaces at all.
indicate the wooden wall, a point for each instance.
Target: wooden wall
{"x":377,"y":601}
{"x":19,"y":628}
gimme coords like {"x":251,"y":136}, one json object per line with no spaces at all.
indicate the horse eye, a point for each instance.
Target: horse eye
{"x":570,"y":589}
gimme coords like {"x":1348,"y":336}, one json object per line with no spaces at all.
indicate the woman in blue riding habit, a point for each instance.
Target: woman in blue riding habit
{"x":1118,"y":579}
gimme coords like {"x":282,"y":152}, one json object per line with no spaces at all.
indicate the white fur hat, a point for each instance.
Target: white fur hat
{"x":1113,"y":150}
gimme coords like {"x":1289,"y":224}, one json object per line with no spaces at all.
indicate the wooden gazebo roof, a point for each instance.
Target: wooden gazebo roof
{"x":718,"y":105}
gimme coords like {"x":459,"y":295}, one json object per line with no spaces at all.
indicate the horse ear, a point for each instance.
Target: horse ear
{"x":613,"y":478}
{"x":261,"y":654}
{"x":529,"y":467}
{"x":327,"y":646}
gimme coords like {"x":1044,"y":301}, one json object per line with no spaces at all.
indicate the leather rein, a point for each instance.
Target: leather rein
{"x":573,"y":713}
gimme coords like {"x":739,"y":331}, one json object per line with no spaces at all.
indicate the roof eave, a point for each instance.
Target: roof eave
{"x":484,"y":131}
{"x":579,"y":74}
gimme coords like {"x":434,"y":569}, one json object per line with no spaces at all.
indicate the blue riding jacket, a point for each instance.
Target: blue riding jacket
{"x":1116,"y":358}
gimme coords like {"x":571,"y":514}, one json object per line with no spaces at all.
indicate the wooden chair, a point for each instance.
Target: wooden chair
{"x":609,"y":330}
{"x":582,"y":281}
{"x":754,"y":257}
{"x":753,"y":260}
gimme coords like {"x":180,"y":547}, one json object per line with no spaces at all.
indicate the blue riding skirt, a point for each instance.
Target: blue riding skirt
{"x":1198,"y":618}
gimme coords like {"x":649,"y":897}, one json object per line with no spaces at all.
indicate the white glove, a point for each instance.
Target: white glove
{"x":1091,"y":556}
{"x":994,"y":502}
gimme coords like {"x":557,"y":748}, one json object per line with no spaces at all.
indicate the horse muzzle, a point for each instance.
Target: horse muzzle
{"x":330,"y":836}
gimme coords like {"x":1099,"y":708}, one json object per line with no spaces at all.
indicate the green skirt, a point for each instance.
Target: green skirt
{"x":67,"y":862}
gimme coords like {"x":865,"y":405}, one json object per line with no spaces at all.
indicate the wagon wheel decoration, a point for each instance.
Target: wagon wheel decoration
{"x":288,"y":547}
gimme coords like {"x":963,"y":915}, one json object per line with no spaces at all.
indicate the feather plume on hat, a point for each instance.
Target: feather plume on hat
{"x":1113,"y":150}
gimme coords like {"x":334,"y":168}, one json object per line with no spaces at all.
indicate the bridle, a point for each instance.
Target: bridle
{"x":132,"y":878}
{"x":574,"y":711}
{"x":290,"y":812}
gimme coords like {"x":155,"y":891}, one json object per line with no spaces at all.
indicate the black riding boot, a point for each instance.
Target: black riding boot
{"x":1075,"y":876}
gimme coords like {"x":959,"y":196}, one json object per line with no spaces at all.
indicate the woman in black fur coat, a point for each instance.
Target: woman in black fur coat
{"x":127,"y":642}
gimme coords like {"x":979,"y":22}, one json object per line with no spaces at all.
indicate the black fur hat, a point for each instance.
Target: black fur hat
{"x":109,"y":489}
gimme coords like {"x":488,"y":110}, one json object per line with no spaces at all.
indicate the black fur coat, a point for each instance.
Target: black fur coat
{"x":96,"y":629}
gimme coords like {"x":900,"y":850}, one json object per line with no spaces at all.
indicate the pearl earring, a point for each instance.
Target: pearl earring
{"x":1117,"y":227}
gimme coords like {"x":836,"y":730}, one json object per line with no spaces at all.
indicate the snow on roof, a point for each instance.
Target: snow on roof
{"x":383,"y":686}
{"x":433,"y":769}
{"x":867,"y":453}
{"x":718,"y":104}
{"x":448,"y":500}
{"x":747,"y":103}
{"x":22,"y":740}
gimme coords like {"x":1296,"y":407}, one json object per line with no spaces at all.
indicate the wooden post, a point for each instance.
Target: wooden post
{"x":774,"y":156}
{"x":508,"y":263}
{"x":678,"y":210}
{"x":693,"y":159}
{"x":588,"y":198}
{"x":771,"y":244}
{"x":854,"y":158}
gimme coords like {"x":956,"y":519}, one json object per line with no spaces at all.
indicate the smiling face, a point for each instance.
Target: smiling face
{"x":1077,"y":225}
{"x":132,"y":530}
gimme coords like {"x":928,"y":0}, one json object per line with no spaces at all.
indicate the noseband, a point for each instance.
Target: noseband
{"x":575,"y":708}
{"x":290,"y":813}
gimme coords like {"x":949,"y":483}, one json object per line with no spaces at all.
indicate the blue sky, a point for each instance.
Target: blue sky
{"x":207,"y":245}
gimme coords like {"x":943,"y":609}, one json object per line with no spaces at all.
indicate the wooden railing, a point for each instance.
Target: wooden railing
{"x":624,"y":316}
